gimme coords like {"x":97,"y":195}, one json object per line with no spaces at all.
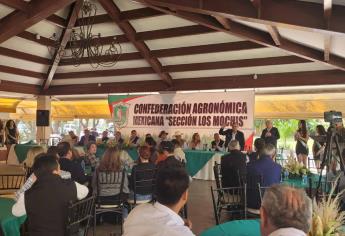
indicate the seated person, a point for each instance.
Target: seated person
{"x":259,"y":145}
{"x":178,"y":137}
{"x":110,"y":163}
{"x":161,"y":217}
{"x":134,"y":140}
{"x":86,"y":138}
{"x":74,"y":137}
{"x":144,"y":188}
{"x":166,"y":150}
{"x":233,"y":165}
{"x":195,"y":143}
{"x":67,"y":164}
{"x":267,"y":170}
{"x":217,"y":144}
{"x":118,"y":138}
{"x":163,"y":136}
{"x":105,"y":137}
{"x":32,"y":153}
{"x":151,"y":143}
{"x":46,"y":202}
{"x":178,"y":151}
{"x":90,"y":156}
{"x":266,"y":167}
{"x":285,"y":211}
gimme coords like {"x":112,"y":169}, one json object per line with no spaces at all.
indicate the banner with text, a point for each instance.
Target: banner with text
{"x":188,"y":113}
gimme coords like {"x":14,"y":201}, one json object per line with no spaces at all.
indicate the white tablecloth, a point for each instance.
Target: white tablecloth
{"x":206,"y":173}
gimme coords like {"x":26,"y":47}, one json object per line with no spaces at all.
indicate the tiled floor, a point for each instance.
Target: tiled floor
{"x":200,"y":210}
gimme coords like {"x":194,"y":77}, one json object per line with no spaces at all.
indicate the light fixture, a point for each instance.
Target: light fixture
{"x":84,"y":45}
{"x":38,"y":37}
{"x":255,"y":76}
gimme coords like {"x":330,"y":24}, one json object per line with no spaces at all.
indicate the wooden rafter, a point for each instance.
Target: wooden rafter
{"x":257,"y":36}
{"x":24,"y":56}
{"x":273,"y":31}
{"x":284,"y":60}
{"x":130,"y":32}
{"x":73,"y":16}
{"x":327,"y":47}
{"x":39,"y":10}
{"x":224,"y":21}
{"x":22,"y":72}
{"x":242,"y":81}
{"x":16,"y":87}
{"x":271,"y":12}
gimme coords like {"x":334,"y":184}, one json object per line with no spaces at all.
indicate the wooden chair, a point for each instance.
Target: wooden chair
{"x":231,"y":200}
{"x":217,"y":174}
{"x":79,"y":216}
{"x":11,"y":183}
{"x":28,"y":171}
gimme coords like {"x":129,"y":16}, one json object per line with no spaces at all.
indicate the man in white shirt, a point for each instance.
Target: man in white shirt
{"x":285,"y":211}
{"x":46,"y":202}
{"x":161,"y":218}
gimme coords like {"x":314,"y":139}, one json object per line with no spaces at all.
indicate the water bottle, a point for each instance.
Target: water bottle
{"x":286,"y":174}
{"x":304,"y":179}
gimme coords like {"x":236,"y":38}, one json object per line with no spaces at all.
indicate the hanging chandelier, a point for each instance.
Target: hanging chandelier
{"x":84,"y":45}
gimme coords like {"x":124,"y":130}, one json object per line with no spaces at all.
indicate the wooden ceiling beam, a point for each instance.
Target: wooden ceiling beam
{"x":327,"y":47}
{"x":16,"y":4}
{"x":21,"y":72}
{"x":223,"y":82}
{"x":284,"y":60}
{"x":39,"y":10}
{"x":72,"y":18}
{"x":15,"y":87}
{"x":24,"y":56}
{"x":273,"y":31}
{"x":33,"y":38}
{"x":272,"y":12}
{"x":257,"y":36}
{"x":130,"y":32}
{"x":57,"y":20}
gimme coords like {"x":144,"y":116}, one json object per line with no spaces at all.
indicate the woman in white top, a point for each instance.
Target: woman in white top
{"x":195,"y":144}
{"x":178,"y":151}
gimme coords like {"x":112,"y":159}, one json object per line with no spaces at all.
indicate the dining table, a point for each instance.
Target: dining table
{"x":235,"y":228}
{"x":10,"y":224}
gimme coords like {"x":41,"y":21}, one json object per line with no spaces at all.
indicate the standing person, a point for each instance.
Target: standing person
{"x":90,"y":157}
{"x":2,"y":133}
{"x":74,"y":137}
{"x":301,"y":136}
{"x":195,"y":143}
{"x":217,"y":144}
{"x":270,"y":134}
{"x":11,"y":134}
{"x":319,"y":147}
{"x":86,"y":138}
{"x":233,"y":134}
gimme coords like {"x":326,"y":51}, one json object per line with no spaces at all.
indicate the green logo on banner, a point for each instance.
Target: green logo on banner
{"x":121,"y":114}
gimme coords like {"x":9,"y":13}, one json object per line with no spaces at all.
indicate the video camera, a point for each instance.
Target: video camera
{"x":333,"y":116}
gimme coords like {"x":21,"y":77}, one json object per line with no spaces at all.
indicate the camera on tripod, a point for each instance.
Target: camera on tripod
{"x":333,"y":116}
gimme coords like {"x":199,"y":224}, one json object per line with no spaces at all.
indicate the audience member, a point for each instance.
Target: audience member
{"x":178,"y":136}
{"x":2,"y":133}
{"x":90,"y":157}
{"x":217,"y":144}
{"x":86,"y":138}
{"x":163,"y":136}
{"x":134,"y":139}
{"x":74,"y":137}
{"x":94,"y":132}
{"x":151,"y":143}
{"x":233,"y":165}
{"x":259,"y":145}
{"x":233,"y":134}
{"x":285,"y":211}
{"x":105,"y":137}
{"x":270,"y":134}
{"x":161,"y":217}
{"x":145,"y":188}
{"x":167,"y":151}
{"x":32,"y":153}
{"x":46,"y":202}
{"x":301,"y":136}
{"x":110,"y":164}
{"x":266,"y":167}
{"x":178,"y":151}
{"x":67,"y":164}
{"x":195,"y":143}
{"x":148,"y":135}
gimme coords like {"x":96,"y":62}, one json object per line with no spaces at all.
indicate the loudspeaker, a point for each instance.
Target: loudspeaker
{"x":42,"y":118}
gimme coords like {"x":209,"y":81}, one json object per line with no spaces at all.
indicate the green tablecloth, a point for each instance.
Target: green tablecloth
{"x":22,"y":149}
{"x":297,"y":183}
{"x":196,"y":160}
{"x":10,"y":224}
{"x":235,"y":228}
{"x":132,"y":152}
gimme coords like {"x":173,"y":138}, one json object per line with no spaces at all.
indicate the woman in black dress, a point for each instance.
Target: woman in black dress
{"x":11,"y":133}
{"x":318,"y":147}
{"x":301,"y":136}
{"x":2,"y":132}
